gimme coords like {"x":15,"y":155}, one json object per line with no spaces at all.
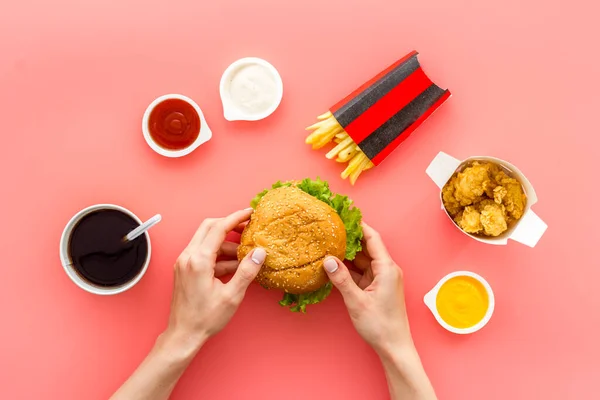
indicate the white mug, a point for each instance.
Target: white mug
{"x":67,"y":263}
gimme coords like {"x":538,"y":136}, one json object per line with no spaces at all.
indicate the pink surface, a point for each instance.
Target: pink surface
{"x":75,"y":78}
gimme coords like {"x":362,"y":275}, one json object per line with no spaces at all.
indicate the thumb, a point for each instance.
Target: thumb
{"x":248,"y":269}
{"x":341,"y":279}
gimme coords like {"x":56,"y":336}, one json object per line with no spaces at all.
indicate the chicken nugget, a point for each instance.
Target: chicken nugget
{"x":471,"y":184}
{"x":514,"y":199}
{"x":452,"y":205}
{"x":493,"y":218}
{"x":470,"y":220}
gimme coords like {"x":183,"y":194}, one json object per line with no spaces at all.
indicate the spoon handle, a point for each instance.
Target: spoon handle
{"x":143,"y":228}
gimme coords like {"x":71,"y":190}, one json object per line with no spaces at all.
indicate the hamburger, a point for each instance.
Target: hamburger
{"x":299,"y":224}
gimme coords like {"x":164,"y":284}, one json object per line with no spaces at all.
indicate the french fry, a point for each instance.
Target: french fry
{"x":346,"y":154}
{"x":341,"y":146}
{"x":340,"y":136}
{"x":320,"y":134}
{"x":324,"y":131}
{"x":310,"y":138}
{"x":324,"y":116}
{"x":361,"y":167}
{"x":353,"y":164}
{"x":323,"y":139}
{"x":326,"y":124}
{"x":315,"y":126}
{"x":328,"y":130}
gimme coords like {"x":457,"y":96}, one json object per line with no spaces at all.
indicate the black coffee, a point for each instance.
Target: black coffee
{"x":98,"y":253}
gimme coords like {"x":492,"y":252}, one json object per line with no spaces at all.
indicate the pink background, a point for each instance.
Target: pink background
{"x":75,"y":78}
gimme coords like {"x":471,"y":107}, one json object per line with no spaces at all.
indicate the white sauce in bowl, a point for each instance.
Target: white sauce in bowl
{"x":251,"y":89}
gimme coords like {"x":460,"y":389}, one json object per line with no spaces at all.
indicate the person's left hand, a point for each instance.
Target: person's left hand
{"x":202,"y":305}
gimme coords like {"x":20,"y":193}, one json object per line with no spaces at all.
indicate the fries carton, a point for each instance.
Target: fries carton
{"x":527,"y":230}
{"x":372,"y":121}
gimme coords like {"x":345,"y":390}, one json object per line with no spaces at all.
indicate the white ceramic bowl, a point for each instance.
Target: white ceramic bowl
{"x":67,"y":263}
{"x":233,"y":113}
{"x":430,"y":300}
{"x":204,"y":135}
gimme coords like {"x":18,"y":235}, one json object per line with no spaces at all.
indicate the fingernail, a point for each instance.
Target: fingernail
{"x":330,"y":265}
{"x":258,"y":256}
{"x":249,"y":209}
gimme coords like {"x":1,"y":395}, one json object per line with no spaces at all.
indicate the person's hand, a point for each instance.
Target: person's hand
{"x":202,"y":305}
{"x":375,"y":295}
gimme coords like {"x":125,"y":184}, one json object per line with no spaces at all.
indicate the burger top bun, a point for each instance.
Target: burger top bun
{"x":297,"y":231}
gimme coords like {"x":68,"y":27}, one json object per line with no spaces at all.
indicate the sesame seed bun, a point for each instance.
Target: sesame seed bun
{"x":297,"y":231}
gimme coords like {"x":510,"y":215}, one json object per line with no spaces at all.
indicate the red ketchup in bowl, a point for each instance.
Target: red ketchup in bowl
{"x":174,"y":124}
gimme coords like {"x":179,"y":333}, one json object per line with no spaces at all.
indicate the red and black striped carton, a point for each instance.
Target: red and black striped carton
{"x":372,"y":121}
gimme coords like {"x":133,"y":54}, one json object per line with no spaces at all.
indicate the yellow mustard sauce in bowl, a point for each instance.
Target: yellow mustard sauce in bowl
{"x":462,"y":302}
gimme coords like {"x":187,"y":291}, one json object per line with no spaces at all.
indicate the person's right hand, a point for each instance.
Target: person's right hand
{"x":202,"y":305}
{"x":375,"y":298}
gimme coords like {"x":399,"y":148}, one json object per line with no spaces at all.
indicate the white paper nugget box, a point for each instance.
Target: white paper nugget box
{"x":528,"y":230}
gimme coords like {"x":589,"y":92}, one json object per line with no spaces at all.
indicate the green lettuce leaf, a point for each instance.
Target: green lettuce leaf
{"x":298,"y":302}
{"x":316,"y":188}
{"x":351,"y":217}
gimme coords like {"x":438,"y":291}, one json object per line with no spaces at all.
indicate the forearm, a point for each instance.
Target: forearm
{"x":405,"y":374}
{"x":158,"y":374}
